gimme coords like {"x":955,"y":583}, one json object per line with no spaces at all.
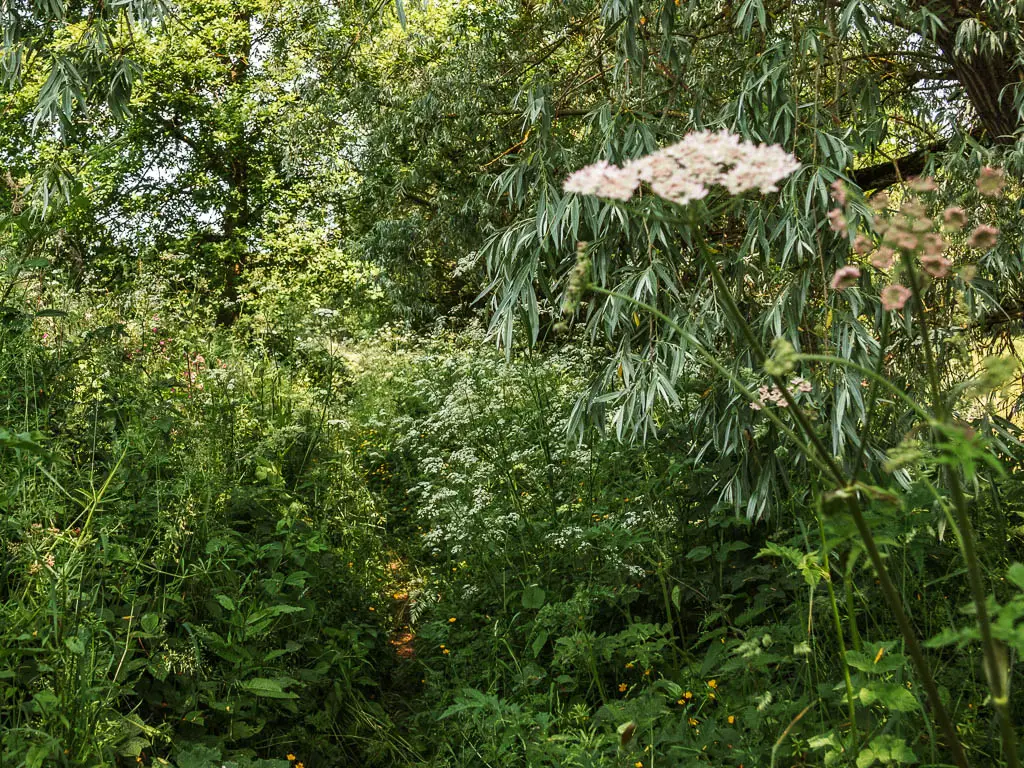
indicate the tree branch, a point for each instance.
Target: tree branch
{"x":894,"y":171}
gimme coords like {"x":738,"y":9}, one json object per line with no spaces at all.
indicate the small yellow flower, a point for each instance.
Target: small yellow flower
{"x":647,"y":673}
{"x":638,"y":764}
{"x":693,"y":721}
{"x":732,"y":719}
{"x":445,"y":651}
{"x":712,"y":683}
{"x":622,"y":687}
{"x":711,"y":696}
{"x":441,"y":646}
{"x":291,"y":757}
{"x":688,"y":695}
{"x":451,"y":620}
{"x":630,"y":665}
{"x":681,"y":702}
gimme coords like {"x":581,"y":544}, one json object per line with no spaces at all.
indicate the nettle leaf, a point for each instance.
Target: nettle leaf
{"x":887,"y":750}
{"x":890,"y":695}
{"x":197,"y":756}
{"x":878,"y":662}
{"x":699,"y":553}
{"x":226,"y":602}
{"x":1015,"y":573}
{"x":953,"y":635}
{"x":269,"y":688}
{"x":533,"y":597}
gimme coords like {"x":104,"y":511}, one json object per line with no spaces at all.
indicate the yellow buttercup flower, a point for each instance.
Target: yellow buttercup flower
{"x":291,"y":757}
{"x":712,"y":683}
{"x":622,"y":687}
{"x":732,"y":719}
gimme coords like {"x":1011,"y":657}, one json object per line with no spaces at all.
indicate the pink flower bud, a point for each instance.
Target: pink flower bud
{"x":839,"y":192}
{"x":883,"y":258}
{"x":991,"y":181}
{"x":936,"y":266}
{"x":983,"y":237}
{"x":862,"y":245}
{"x":954,"y":217}
{"x":845,"y":277}
{"x":923,"y":184}
{"x":837,"y":221}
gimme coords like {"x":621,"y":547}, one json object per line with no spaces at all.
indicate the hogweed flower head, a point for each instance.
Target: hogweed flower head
{"x":879,"y":201}
{"x":837,"y":221}
{"x":839,"y":192}
{"x":801,"y":384}
{"x":845,"y":277}
{"x":894,"y":296}
{"x":954,"y":217}
{"x":936,"y":266}
{"x":983,"y":237}
{"x":604,"y":180}
{"x":862,"y":245}
{"x":923,"y":184}
{"x":883,"y":258}
{"x":991,"y":181}
{"x":684,"y":172}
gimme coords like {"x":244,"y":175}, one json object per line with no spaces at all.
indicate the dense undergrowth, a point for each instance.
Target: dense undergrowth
{"x":386,"y":552}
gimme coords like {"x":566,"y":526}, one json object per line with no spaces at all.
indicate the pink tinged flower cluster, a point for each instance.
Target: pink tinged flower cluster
{"x":936,"y":266}
{"x":983,"y":237}
{"x":883,"y":258}
{"x":954,"y":217}
{"x":769,"y":396}
{"x":685,"y":171}
{"x":894,"y":297}
{"x":845,"y":277}
{"x":839,"y":192}
{"x":991,"y":181}
{"x":837,"y":221}
{"x":923,"y":184}
{"x":773,"y":395}
{"x":604,"y":180}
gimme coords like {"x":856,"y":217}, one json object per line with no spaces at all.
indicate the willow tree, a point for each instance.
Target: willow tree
{"x":508,"y":100}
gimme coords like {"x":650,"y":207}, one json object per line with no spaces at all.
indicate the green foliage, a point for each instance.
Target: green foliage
{"x":172,"y":554}
{"x":734,"y":488}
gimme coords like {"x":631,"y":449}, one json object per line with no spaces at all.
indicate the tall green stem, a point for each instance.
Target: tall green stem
{"x":889,"y":590}
{"x":993,"y":667}
{"x":837,"y":619}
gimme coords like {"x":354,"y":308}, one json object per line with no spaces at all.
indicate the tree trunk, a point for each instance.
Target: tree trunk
{"x":988,"y":78}
{"x":237,"y":208}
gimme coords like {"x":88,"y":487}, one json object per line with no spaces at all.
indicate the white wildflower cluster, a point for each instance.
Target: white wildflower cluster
{"x":641,"y":517}
{"x":684,"y":172}
{"x":773,"y":395}
{"x":569,"y":538}
{"x":635,"y":571}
